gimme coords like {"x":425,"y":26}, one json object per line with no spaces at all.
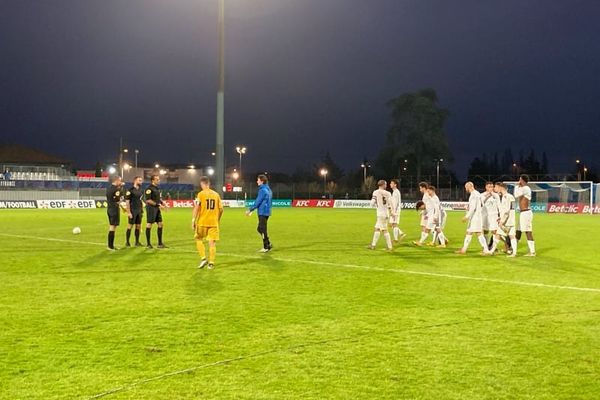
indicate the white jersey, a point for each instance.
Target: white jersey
{"x":491,"y":204}
{"x":396,"y":202}
{"x":474,"y":210}
{"x":523,"y":191}
{"x":436,"y":207}
{"x":382,"y":200}
{"x":507,"y":210}
{"x":428,"y":204}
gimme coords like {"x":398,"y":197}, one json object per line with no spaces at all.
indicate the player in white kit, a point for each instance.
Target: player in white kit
{"x":474,"y":219}
{"x":523,"y":196}
{"x":395,"y":213}
{"x":425,"y":214}
{"x":491,"y":213}
{"x":507,"y":216}
{"x":381,"y":200}
{"x":438,"y":218}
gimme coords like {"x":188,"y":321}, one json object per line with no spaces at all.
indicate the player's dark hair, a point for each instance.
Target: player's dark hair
{"x":135,"y":178}
{"x":431,"y":187}
{"x":501,"y":184}
{"x":489,"y":183}
{"x":205,"y":180}
{"x":114,"y":178}
{"x":263,"y":178}
{"x":154,"y":177}
{"x":423,"y":185}
{"x":395,"y":181}
{"x":419,"y":204}
{"x":525,"y":178}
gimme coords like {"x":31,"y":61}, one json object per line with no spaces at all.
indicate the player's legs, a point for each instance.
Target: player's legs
{"x":466,"y":243}
{"x":263,"y":231}
{"x":441,"y":237}
{"x":159,"y":230}
{"x":212,"y":253}
{"x":138,"y":228}
{"x":113,"y":222}
{"x":526,"y":222}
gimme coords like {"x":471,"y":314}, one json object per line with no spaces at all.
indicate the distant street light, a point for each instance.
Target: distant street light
{"x":157,"y":166}
{"x":323,"y":173}
{"x":210,"y":171}
{"x":241,"y":150}
{"x":585,"y":173}
{"x":235,"y":176}
{"x":112,"y":170}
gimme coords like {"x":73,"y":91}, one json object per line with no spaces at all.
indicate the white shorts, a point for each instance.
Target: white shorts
{"x":490,"y":224}
{"x":442,"y":222}
{"x":382,"y":223}
{"x":526,"y":221}
{"x":475,"y":224}
{"x":430,"y":223}
{"x":394,"y":219}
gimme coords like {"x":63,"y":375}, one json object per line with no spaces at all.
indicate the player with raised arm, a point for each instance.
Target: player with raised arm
{"x":437,"y":219}
{"x":491,"y":212}
{"x":474,"y":219}
{"x":135,"y":210}
{"x":381,"y":200}
{"x":424,"y":214}
{"x":208,"y":210}
{"x":396,"y":210}
{"x":523,"y":196}
{"x":507,"y":218}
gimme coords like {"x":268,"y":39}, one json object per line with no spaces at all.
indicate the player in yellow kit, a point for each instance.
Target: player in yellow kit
{"x":205,"y":222}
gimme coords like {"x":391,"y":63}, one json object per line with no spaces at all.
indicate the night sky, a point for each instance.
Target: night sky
{"x":302,"y":77}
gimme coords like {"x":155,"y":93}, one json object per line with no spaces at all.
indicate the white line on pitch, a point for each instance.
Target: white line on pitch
{"x":353,"y":266}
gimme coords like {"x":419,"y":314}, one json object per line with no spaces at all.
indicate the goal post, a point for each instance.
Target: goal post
{"x":572,"y":197}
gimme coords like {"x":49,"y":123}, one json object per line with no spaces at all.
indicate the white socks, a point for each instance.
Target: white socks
{"x":467,"y":242}
{"x":442,"y":238}
{"x":514,"y":244}
{"x":388,"y":239}
{"x":483,"y":243}
{"x":375,"y":238}
{"x":423,"y":236}
{"x":531,"y":245}
{"x":495,"y":242}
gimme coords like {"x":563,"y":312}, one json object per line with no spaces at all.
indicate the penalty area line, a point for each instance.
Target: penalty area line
{"x":353,"y":266}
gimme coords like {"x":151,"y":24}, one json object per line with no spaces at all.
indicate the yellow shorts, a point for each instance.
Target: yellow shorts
{"x":207,"y":233}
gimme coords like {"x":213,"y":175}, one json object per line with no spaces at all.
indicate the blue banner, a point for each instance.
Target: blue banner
{"x":279,"y":203}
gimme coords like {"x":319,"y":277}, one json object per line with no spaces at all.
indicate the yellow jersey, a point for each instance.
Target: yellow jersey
{"x":210,"y":208}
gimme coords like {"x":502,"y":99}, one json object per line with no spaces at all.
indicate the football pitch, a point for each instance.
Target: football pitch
{"x":319,"y":317}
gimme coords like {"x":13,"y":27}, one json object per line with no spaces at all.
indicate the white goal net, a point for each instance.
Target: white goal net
{"x":569,"y":197}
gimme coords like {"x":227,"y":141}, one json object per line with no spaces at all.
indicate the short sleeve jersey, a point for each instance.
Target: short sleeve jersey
{"x":113,"y":196}
{"x":153,"y":193}
{"x":210,"y":208}
{"x":134,"y":195}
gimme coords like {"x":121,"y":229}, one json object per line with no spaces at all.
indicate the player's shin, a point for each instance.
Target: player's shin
{"x":396,"y":232}
{"x":127,"y":235}
{"x":376,"y":235}
{"x":148,"y":231}
{"x":467,"y":241}
{"x":424,"y":235}
{"x":159,"y":233}
{"x":201,"y":249}
{"x":483,"y":243}
{"x":514,"y":244}
{"x":212,"y":253}
{"x":388,"y":239}
{"x":531,"y":245}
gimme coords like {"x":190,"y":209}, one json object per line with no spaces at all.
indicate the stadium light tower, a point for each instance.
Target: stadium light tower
{"x":220,"y":146}
{"x":438,"y":161}
{"x":364,"y":166}
{"x":137,"y":152}
{"x":324,"y":175}
{"x":241,"y":150}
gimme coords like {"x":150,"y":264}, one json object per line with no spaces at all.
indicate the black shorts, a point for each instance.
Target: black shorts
{"x":136,"y":218}
{"x":153,"y":215}
{"x":114,"y":217}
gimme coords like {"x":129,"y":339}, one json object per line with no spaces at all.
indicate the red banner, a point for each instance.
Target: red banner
{"x":179,"y":203}
{"x":568,"y":208}
{"x":313,"y":203}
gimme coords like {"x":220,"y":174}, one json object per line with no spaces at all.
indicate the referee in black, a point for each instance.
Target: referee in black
{"x":154,"y":205}
{"x":135,"y":210}
{"x":113,"y":197}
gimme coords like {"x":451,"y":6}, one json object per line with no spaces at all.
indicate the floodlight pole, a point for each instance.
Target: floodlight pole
{"x":220,"y":142}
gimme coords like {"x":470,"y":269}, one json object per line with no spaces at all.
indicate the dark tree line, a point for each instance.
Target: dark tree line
{"x":506,"y":163}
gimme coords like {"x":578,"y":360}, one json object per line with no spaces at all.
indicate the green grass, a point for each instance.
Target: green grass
{"x":320,"y":317}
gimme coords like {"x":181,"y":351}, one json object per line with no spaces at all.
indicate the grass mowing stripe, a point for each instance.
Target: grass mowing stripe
{"x":353,"y":266}
{"x":350,"y":339}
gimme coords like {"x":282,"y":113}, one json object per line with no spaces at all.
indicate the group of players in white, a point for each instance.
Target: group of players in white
{"x":491,"y":213}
